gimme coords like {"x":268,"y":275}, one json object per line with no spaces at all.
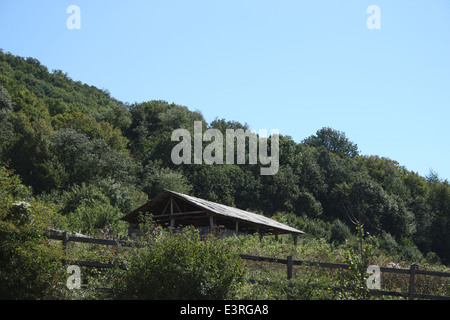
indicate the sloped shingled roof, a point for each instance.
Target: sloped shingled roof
{"x":220,"y":210}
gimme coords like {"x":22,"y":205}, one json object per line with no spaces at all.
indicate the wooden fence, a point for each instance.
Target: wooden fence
{"x":66,"y":238}
{"x":412,"y":272}
{"x":289,"y":262}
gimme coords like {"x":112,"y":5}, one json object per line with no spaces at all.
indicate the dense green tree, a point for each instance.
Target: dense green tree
{"x":5,"y":99}
{"x":387,"y":173}
{"x":312,"y":176}
{"x":29,"y":267}
{"x":28,"y":152}
{"x":336,"y":169}
{"x":307,"y":205}
{"x":78,"y":147}
{"x":219,"y":183}
{"x":26,"y":78}
{"x":371,"y":206}
{"x":340,"y":232}
{"x":280,"y":192}
{"x":7,"y":133}
{"x":223,"y":125}
{"x":152,"y":124}
{"x":156,"y":179}
{"x":92,"y":128}
{"x":439,"y":201}
{"x":27,"y":102}
{"x":84,"y":159}
{"x":6,"y":128}
{"x":334,"y":141}
{"x":122,"y":195}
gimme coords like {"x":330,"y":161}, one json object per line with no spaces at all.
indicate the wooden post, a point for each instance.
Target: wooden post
{"x":295,"y":239}
{"x":65,"y":241}
{"x":412,"y":273}
{"x":290,"y":264}
{"x":259,"y":234}
{"x":172,"y":220}
{"x":237,"y":226}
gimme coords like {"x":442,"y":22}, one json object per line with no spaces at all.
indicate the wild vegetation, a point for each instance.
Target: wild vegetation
{"x":74,"y":158}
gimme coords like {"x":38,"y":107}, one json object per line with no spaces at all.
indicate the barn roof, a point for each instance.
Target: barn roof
{"x":215,"y":209}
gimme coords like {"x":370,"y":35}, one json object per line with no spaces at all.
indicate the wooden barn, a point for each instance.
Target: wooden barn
{"x":175,"y":209}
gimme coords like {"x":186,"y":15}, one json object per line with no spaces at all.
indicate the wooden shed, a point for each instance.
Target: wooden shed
{"x":175,"y":209}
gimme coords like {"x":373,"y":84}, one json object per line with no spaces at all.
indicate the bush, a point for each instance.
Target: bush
{"x":339,"y":232}
{"x":179,"y":266}
{"x":352,"y":284}
{"x":432,"y":257}
{"x":30,"y":268}
{"x":97,"y":217}
{"x":388,"y":243}
{"x":409,"y":251}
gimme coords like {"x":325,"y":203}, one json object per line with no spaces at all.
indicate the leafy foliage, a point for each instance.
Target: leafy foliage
{"x":92,"y":159}
{"x":353,"y":283}
{"x":179,"y":266}
{"x":30,"y":268}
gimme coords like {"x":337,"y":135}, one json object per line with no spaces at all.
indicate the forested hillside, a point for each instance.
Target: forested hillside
{"x":93,"y":159}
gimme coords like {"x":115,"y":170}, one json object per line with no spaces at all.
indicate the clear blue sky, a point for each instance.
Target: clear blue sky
{"x":296,"y":66}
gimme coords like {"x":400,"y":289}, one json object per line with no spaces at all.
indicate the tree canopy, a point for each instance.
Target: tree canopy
{"x":67,"y":140}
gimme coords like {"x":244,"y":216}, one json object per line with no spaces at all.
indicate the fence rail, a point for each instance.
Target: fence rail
{"x":289,"y":262}
{"x":412,"y":271}
{"x":66,"y":238}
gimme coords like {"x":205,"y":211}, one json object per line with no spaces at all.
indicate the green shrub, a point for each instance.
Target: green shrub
{"x":179,"y":265}
{"x":432,"y":257}
{"x":91,"y":218}
{"x":352,"y":284}
{"x":340,"y":232}
{"x":30,"y":267}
